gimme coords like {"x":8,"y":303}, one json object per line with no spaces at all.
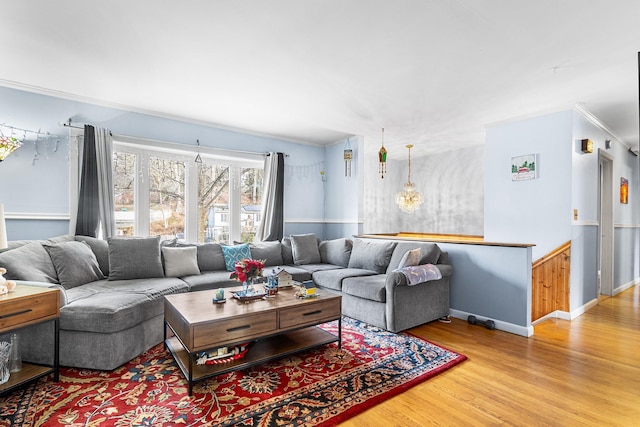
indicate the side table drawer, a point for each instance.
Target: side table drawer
{"x":212,"y":334}
{"x":14,"y":313}
{"x":312,"y":313}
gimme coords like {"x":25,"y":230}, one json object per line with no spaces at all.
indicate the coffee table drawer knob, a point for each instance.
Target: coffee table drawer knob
{"x":238,"y":328}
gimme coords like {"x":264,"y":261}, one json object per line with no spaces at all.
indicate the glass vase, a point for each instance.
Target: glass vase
{"x":247,"y":286}
{"x":5,"y":350}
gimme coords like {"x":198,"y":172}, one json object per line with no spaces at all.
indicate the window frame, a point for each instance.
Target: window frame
{"x":146,"y":148}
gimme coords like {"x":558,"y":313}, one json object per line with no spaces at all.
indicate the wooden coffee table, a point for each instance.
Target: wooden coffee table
{"x":277,"y":326}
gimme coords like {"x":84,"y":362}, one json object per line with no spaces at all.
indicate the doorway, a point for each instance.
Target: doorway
{"x":605,"y":227}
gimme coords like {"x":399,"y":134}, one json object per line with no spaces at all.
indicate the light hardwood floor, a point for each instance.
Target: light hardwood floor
{"x":584,"y":372}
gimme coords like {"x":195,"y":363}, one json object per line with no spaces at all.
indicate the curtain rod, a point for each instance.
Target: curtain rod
{"x":69,"y":125}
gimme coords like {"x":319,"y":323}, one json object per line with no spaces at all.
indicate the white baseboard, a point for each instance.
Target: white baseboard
{"x":626,"y":286}
{"x":525,"y":331}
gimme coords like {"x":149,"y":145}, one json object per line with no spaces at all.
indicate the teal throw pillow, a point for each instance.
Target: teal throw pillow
{"x":233,"y":254}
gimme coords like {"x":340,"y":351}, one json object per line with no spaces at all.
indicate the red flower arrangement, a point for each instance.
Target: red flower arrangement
{"x":248,"y":269}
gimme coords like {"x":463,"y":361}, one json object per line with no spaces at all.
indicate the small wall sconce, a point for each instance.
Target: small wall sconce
{"x":607,"y":144}
{"x":587,"y":146}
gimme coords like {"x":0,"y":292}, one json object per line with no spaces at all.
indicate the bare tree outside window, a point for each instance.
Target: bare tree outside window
{"x":124,"y":172}
{"x":213,"y":203}
{"x":251,"y":200}
{"x":166,"y":198}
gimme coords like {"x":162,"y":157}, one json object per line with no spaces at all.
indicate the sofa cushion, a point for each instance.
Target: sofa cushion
{"x":134,"y":258}
{"x":75,"y":263}
{"x":305,"y":249}
{"x":410,"y":258}
{"x":336,"y":251}
{"x":371,"y":255}
{"x":430,"y":253}
{"x":312,"y":268}
{"x":270,"y":252}
{"x":235,"y":253}
{"x":31,"y":262}
{"x":180,"y":261}
{"x":210,"y":280}
{"x":110,"y":306}
{"x":101,"y":250}
{"x":332,"y":279}
{"x":367,"y":287}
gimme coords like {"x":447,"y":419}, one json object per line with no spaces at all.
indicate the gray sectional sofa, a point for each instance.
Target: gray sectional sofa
{"x":112,"y":293}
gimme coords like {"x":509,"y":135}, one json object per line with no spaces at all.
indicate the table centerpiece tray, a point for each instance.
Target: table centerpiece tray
{"x":245,"y":296}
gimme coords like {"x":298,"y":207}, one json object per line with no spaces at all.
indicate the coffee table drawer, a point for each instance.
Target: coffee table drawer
{"x":311,"y":313}
{"x":211,"y":334}
{"x":27,"y":309}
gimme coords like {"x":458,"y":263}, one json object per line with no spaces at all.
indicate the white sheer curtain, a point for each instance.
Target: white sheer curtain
{"x":95,"y":216}
{"x":272,"y":213}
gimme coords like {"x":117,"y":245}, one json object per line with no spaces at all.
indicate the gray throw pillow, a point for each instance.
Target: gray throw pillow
{"x":75,"y":263}
{"x":210,"y":257}
{"x":371,"y":255}
{"x":410,"y":258}
{"x":430,"y":253}
{"x":180,"y":261}
{"x":134,"y":258}
{"x":305,"y":249}
{"x":287,"y":251}
{"x":336,"y":251}
{"x":101,"y":249}
{"x":29,"y":262}
{"x":270,"y":252}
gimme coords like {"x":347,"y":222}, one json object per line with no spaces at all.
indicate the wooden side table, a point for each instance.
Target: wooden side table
{"x":30,"y":305}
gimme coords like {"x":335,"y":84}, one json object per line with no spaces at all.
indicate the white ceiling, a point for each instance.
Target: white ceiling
{"x":433,"y":73}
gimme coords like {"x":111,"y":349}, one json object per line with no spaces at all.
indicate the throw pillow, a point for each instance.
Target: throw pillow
{"x":371,"y":255}
{"x":134,"y":258}
{"x":29,"y":262}
{"x":235,"y":253}
{"x":75,"y":263}
{"x":211,"y":257}
{"x":180,"y":261}
{"x":305,"y":249}
{"x":270,"y":252}
{"x":336,"y":251}
{"x":410,"y":258}
{"x":101,"y":249}
{"x":287,"y":251}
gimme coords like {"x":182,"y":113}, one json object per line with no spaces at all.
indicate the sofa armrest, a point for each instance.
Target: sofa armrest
{"x":395,"y":278}
{"x":63,"y":293}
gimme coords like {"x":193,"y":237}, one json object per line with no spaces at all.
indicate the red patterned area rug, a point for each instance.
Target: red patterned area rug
{"x":321,"y":387}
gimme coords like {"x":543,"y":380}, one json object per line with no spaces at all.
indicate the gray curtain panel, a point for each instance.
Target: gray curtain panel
{"x":95,"y":202}
{"x":272,"y":225}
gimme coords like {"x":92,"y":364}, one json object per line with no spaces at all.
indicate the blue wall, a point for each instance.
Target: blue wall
{"x":42,"y":187}
{"x":540,"y":211}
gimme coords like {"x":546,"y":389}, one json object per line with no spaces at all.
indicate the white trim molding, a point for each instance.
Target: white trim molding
{"x":37,"y":216}
{"x":322,"y":221}
{"x":525,"y":331}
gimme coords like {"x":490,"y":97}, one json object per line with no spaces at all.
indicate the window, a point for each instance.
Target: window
{"x":160,"y":190}
{"x":124,"y":167}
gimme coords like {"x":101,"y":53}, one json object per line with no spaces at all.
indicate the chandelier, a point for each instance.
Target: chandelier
{"x":7,"y":146}
{"x":409,"y":199}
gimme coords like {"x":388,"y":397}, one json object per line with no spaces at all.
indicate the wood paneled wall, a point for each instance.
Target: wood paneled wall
{"x":550,"y":279}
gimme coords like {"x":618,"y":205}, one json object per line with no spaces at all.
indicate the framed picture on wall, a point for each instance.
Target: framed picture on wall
{"x":524,"y":167}
{"x":624,"y":190}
